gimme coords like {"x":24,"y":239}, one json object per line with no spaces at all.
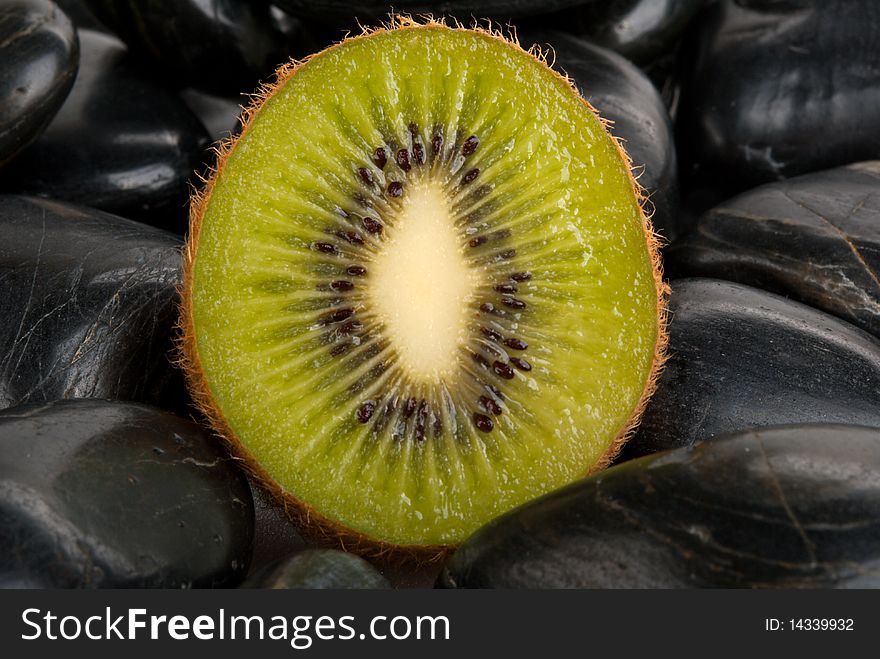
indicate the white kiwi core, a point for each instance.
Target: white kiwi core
{"x":421,"y":284}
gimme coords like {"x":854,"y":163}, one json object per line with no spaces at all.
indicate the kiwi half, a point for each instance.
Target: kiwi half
{"x":420,"y":288}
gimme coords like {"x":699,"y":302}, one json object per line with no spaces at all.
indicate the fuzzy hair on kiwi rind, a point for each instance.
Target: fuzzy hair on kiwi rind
{"x":316,"y":527}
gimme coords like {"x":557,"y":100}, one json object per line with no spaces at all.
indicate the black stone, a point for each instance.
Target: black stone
{"x":622,"y":93}
{"x":96,"y":494}
{"x":276,"y":536}
{"x":342,"y":12}
{"x":88,"y":305}
{"x":39,"y":52}
{"x":81,"y":15}
{"x":319,"y":569}
{"x":120,"y":142}
{"x":742,"y":358}
{"x":782,"y":88}
{"x":640,"y":30}
{"x":814,"y":238}
{"x":790,"y":507}
{"x":220,"y":115}
{"x":222,"y":46}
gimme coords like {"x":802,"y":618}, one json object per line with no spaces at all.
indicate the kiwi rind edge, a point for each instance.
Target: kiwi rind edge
{"x":315,"y":527}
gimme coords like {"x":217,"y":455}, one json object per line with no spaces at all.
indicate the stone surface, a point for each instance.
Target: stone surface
{"x":743,"y":358}
{"x":348,"y":10}
{"x":790,"y":507}
{"x":224,"y":46}
{"x":640,"y":30}
{"x":121,"y":142}
{"x":40,"y":54}
{"x":88,"y":305}
{"x":319,"y":569}
{"x":97,"y":494}
{"x":218,"y":114}
{"x":622,"y":94}
{"x":782,"y":88}
{"x":814,"y":238}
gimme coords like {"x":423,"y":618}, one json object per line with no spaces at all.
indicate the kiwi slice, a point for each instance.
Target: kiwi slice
{"x":420,"y":288}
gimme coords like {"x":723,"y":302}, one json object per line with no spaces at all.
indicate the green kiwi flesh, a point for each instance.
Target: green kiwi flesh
{"x":420,"y":287}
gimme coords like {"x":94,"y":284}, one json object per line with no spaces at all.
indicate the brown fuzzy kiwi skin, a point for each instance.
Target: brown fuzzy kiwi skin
{"x":315,"y":527}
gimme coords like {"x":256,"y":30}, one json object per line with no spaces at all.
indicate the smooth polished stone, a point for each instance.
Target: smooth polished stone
{"x":640,"y":30}
{"x":222,"y":46}
{"x":789,"y":507}
{"x":319,"y":569}
{"x":350,"y":11}
{"x":814,"y":238}
{"x":98,"y":494}
{"x":782,"y":88}
{"x":88,"y":305}
{"x":742,"y":358}
{"x":39,"y":52}
{"x":121,"y":142}
{"x":622,"y":94}
{"x":220,"y":115}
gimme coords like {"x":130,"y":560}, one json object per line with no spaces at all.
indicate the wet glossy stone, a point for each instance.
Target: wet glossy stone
{"x":347,"y":11}
{"x":120,"y":142}
{"x":743,"y":358}
{"x":785,"y":88}
{"x":95,"y":494}
{"x":622,"y":93}
{"x":88,"y":305}
{"x":640,"y":30}
{"x":319,"y":569}
{"x":791,"y":507}
{"x":814,"y":238}
{"x":224,"y":46}
{"x":39,"y":52}
{"x":218,"y":114}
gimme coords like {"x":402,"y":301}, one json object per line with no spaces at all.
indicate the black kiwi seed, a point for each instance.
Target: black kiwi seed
{"x":470,"y":176}
{"x":326,"y":248}
{"x":487,"y":307}
{"x":490,"y":405}
{"x":436,"y":144}
{"x":477,"y":241}
{"x":366,"y":175}
{"x":365,"y":411}
{"x":380,"y":158}
{"x":339,"y":349}
{"x":482,"y":361}
{"x":482,"y":422}
{"x":516,"y":344}
{"x":502,"y":370}
{"x":395,"y":188}
{"x":372,"y":225}
{"x":409,"y":407}
{"x":494,"y":391}
{"x":470,"y":145}
{"x":341,"y":285}
{"x":521,"y":276}
{"x":351,"y":327}
{"x":356,"y":270}
{"x":513,"y":302}
{"x":336,"y":316}
{"x":403,"y":160}
{"x":418,"y":153}
{"x":351,"y":236}
{"x":506,"y":288}
{"x":489,"y":333}
{"x":521,"y":364}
